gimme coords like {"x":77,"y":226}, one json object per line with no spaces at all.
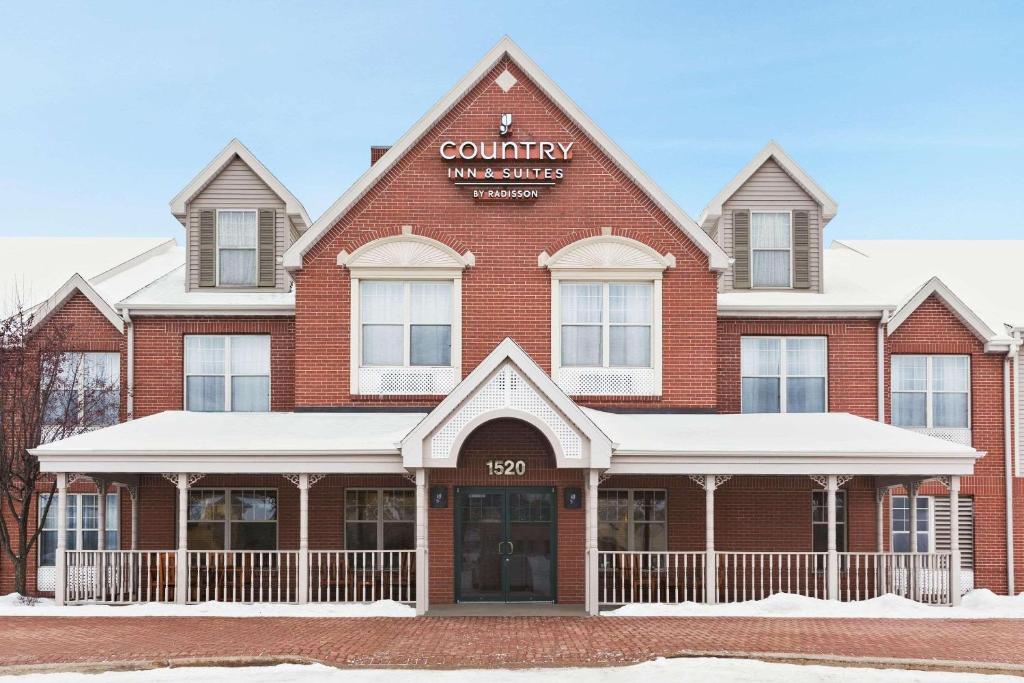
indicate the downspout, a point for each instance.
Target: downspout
{"x":130,"y":363}
{"x":1011,"y":358}
{"x":883,"y":321}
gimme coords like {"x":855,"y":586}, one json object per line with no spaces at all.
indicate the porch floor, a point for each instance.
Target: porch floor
{"x":506,"y":642}
{"x":512,"y":609}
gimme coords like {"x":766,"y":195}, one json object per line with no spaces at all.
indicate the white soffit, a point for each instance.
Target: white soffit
{"x":717,"y":258}
{"x":713,"y":211}
{"x":235,"y":148}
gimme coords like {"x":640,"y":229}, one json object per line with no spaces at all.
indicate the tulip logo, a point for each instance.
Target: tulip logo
{"x":506,"y":125}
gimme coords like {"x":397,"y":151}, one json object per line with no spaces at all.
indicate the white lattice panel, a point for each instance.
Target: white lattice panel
{"x":607,"y":381}
{"x":954,"y":435}
{"x":506,"y":389}
{"x":46,"y":579}
{"x":406,"y":380}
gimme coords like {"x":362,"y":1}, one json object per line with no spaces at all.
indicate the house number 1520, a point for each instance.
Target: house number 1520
{"x":508,"y":468}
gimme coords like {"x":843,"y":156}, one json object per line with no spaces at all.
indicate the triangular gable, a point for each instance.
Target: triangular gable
{"x":717,"y":258}
{"x":713,"y":211}
{"x":962,"y":311}
{"x":507,"y":383}
{"x":76,"y":283}
{"x":236,"y":149}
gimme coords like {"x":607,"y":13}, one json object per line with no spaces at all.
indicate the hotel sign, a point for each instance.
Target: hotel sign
{"x":505,"y":169}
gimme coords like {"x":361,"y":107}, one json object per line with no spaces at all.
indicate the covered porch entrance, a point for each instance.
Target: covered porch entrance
{"x":505,"y":544}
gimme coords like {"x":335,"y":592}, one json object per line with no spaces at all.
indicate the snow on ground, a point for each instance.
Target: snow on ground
{"x":659,"y":671}
{"x":978,"y":604}
{"x":12,"y":605}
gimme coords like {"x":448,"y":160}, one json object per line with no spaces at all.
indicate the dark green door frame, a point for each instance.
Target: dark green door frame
{"x":503,"y":549}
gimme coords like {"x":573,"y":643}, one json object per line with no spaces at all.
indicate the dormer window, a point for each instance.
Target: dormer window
{"x":237,"y":248}
{"x":771,"y":249}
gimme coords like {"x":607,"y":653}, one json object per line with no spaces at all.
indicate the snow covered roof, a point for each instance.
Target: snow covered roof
{"x":32,"y":269}
{"x":238,"y":442}
{"x":167,"y":295}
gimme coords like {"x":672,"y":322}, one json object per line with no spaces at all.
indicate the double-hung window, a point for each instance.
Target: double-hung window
{"x":771,"y":249}
{"x":931,"y":391}
{"x":784,"y":374}
{"x":632,"y":519}
{"x":227,"y":373}
{"x":819,"y":521}
{"x":901,"y":524}
{"x":237,"y":248}
{"x":406,"y":323}
{"x":380,"y":519}
{"x":82,"y":525}
{"x":85,"y":392}
{"x":606,"y":324}
{"x":232,"y":519}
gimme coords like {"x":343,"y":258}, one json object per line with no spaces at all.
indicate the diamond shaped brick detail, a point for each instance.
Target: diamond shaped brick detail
{"x":505,"y":80}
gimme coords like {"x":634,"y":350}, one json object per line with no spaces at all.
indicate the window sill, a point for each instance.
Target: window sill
{"x":406,"y":381}
{"x":594,"y":381}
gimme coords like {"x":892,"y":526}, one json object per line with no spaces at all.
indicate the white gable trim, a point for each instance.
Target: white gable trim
{"x":945,"y":294}
{"x":76,"y":283}
{"x":717,"y":258}
{"x":557,"y":414}
{"x":713,"y":211}
{"x":293,"y":207}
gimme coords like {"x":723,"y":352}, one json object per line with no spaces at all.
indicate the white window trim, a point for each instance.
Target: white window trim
{"x":929,"y":392}
{"x":80,"y":388}
{"x":631,"y":492}
{"x":606,"y":278}
{"x":782,"y":367}
{"x":227,"y":521}
{"x":356,"y":329}
{"x":227,"y":370}
{"x":930,"y":516}
{"x":216,"y":230}
{"x":78,"y":522}
{"x":380,"y":514}
{"x":792,"y":269}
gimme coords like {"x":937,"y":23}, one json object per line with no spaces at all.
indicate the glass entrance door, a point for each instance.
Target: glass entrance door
{"x":505,"y":544}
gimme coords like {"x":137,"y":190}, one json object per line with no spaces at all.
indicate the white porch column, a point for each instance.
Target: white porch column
{"x":303,"y":573}
{"x":59,"y":591}
{"x":422,"y":595}
{"x":101,"y":513}
{"x":592,"y":556}
{"x":831,"y":486}
{"x":912,"y":489}
{"x":181,"y":574}
{"x":710,"y":564}
{"x":133,"y":491}
{"x":954,"y":539}
{"x":880,"y":520}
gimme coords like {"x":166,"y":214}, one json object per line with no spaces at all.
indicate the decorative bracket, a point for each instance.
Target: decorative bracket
{"x":173,"y":478}
{"x":133,"y":491}
{"x":944,"y":479}
{"x":822,"y":480}
{"x":603,"y":477}
{"x":312,"y":479}
{"x":411,"y":476}
{"x":75,"y":476}
{"x":701,"y":480}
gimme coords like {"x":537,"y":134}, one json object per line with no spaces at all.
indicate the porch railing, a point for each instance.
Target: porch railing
{"x":243,"y":575}
{"x":362,"y":575}
{"x":650,"y":577}
{"x":757,"y":575}
{"x":120,"y":576}
{"x":922,"y":577}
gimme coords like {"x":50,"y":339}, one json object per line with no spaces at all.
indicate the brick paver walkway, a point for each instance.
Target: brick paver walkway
{"x":497,"y":642}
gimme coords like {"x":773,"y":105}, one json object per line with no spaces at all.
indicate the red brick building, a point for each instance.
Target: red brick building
{"x":506,"y":366}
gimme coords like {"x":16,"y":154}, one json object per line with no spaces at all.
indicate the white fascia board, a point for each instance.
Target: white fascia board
{"x":76,"y":283}
{"x":161,"y":309}
{"x":962,"y":311}
{"x":713,"y":211}
{"x":234,"y":462}
{"x":754,"y":463}
{"x":838,"y":311}
{"x":509,"y":351}
{"x":293,"y":207}
{"x":717,"y":258}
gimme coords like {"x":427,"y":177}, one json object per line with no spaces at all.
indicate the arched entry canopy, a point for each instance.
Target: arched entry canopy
{"x":507,"y":384}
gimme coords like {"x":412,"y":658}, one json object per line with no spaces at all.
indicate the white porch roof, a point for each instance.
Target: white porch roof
{"x":644,"y":443}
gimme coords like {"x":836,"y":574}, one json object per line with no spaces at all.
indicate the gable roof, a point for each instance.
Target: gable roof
{"x":935,"y":286}
{"x":76,"y":283}
{"x":236,"y":149}
{"x":508,"y":350}
{"x":713,"y":211}
{"x":717,"y":258}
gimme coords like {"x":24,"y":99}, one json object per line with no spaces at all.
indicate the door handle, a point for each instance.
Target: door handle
{"x":511,"y":547}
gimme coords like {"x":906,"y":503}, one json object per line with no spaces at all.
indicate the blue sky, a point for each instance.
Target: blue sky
{"x":910,"y":115}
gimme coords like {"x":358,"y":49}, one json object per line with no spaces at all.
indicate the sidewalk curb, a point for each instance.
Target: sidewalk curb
{"x":947,"y":665}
